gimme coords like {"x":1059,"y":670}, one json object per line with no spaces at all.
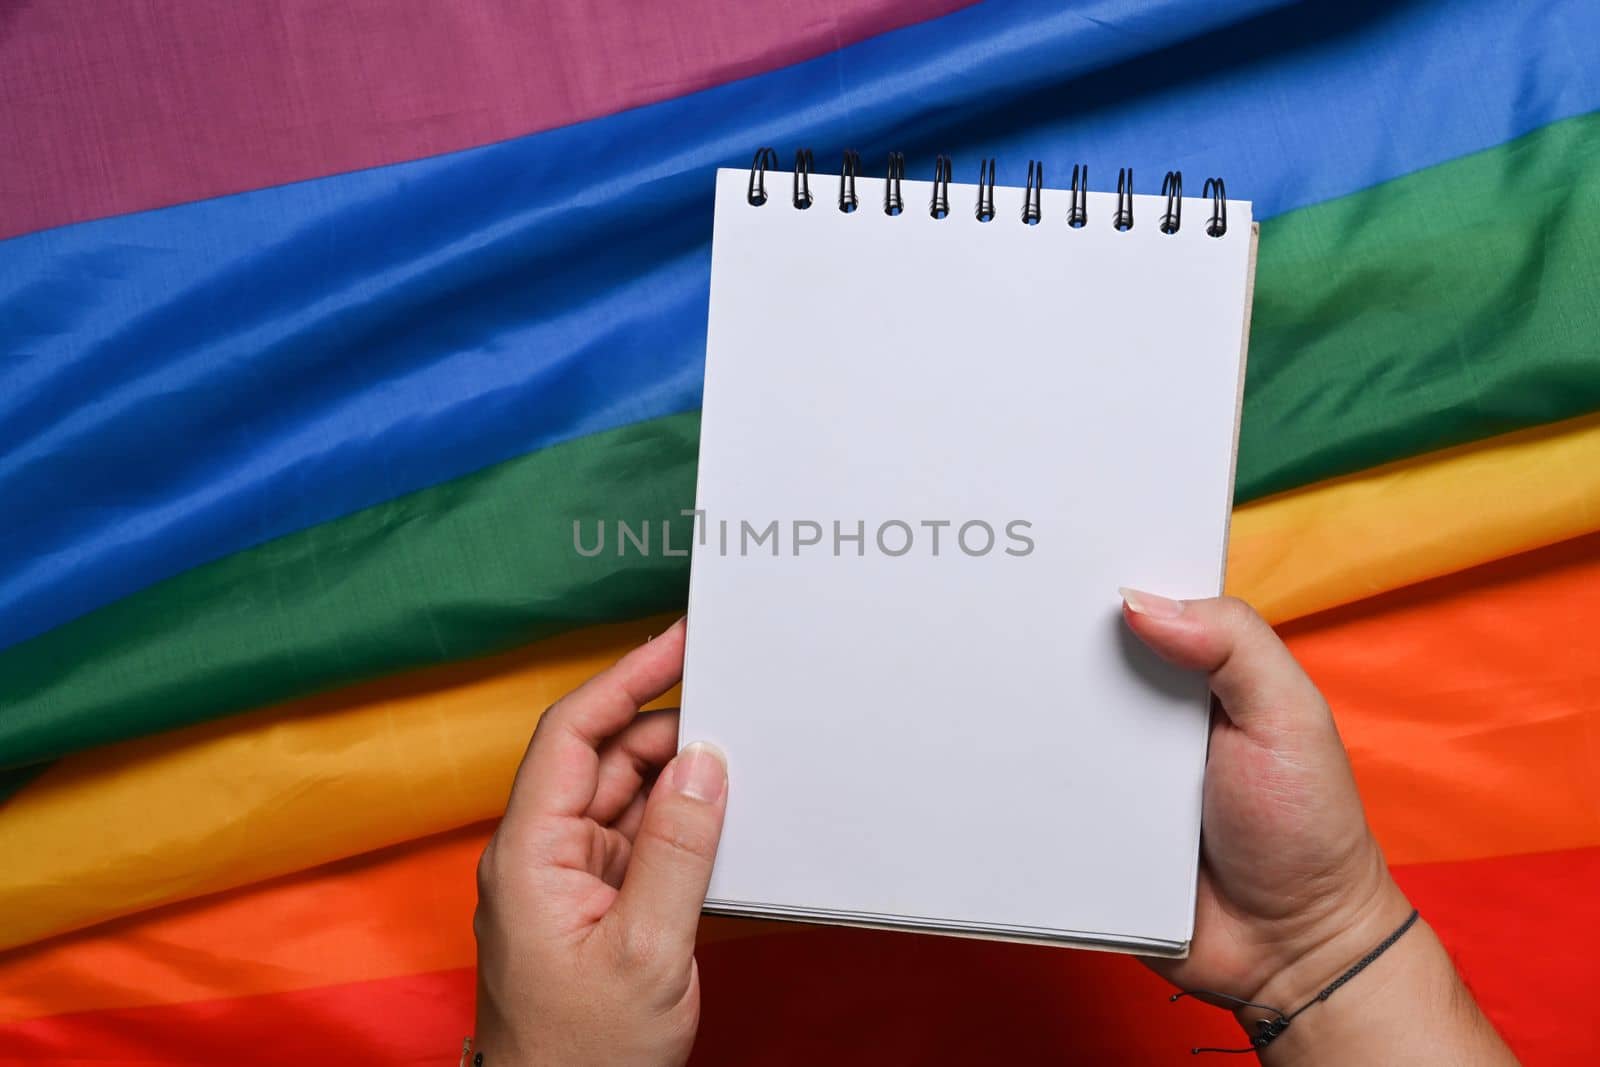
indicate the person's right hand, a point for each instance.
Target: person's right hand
{"x":1293,"y":888}
{"x":590,"y":890}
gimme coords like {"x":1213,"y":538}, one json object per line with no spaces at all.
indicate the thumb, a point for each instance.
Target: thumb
{"x":1262,"y":688}
{"x":670,"y":869}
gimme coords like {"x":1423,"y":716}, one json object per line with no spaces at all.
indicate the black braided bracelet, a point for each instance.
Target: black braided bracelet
{"x":1270,"y":1029}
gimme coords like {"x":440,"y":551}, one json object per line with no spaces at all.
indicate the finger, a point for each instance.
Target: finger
{"x":627,"y":824}
{"x":560,"y":772}
{"x":665,"y":887}
{"x":632,"y":758}
{"x":1261,"y":686}
{"x":618,"y":850}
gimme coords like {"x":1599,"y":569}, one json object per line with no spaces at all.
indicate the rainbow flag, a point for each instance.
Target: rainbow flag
{"x":320,"y":324}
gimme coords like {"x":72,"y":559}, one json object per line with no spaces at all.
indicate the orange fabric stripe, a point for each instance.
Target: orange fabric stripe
{"x":399,"y":911}
{"x":1471,"y":705}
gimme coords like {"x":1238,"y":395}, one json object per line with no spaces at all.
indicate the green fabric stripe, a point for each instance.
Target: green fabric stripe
{"x":1448,"y":305}
{"x":1440,"y":308}
{"x":472,"y":566}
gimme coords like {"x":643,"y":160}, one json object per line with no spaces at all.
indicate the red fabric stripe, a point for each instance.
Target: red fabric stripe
{"x":1524,"y":932}
{"x":1522,"y":929}
{"x":110,"y":108}
{"x":418,"y":1019}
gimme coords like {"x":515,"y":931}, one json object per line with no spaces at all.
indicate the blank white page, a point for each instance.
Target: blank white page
{"x":964,"y":741}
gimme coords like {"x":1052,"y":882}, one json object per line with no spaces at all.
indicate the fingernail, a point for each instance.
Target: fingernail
{"x":700,"y":771}
{"x":668,"y":630}
{"x":1156,"y":607}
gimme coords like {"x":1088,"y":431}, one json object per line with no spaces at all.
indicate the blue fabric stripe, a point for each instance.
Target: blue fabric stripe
{"x":184,"y":383}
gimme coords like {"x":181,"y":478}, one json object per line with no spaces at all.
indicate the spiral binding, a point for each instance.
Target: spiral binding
{"x":848,"y":201}
{"x":802,"y":179}
{"x":985,"y":210}
{"x":893,"y":202}
{"x":1217,"y":225}
{"x":1033,"y":193}
{"x":1033,"y":196}
{"x":1123,"y":219}
{"x":1172,"y":189}
{"x":939,"y":206}
{"x":765,"y":157}
{"x":1078,"y":213}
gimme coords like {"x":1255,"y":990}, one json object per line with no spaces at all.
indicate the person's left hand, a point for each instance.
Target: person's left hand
{"x":589,"y":893}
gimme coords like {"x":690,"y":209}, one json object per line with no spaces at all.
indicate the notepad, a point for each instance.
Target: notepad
{"x":932,"y":450}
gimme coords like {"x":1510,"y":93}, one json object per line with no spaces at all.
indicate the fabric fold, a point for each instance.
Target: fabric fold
{"x":128,"y":827}
{"x":1354,"y":537}
{"x":282,"y":789}
{"x":473,"y":566}
{"x":342,"y":342}
{"x":415,"y":998}
{"x":233,"y":117}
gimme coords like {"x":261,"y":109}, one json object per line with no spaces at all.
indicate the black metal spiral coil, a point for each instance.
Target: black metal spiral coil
{"x":848,"y":201}
{"x":985,"y":210}
{"x":1123,"y":219}
{"x":1078,"y":213}
{"x":939,"y":206}
{"x":893,"y":201}
{"x":1217,"y":225}
{"x":802,"y":179}
{"x":1172,"y":189}
{"x":765,"y":157}
{"x":1032,"y":194}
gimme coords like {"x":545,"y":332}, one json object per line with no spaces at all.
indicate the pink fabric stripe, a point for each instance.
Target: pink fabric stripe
{"x":111,"y":108}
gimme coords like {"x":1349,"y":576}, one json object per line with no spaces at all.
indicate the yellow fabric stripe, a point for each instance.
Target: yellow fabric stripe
{"x":1353,"y":537}
{"x":115,"y":830}
{"x":224,"y":804}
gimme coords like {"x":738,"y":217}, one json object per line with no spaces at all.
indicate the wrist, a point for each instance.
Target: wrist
{"x":1339,"y":941}
{"x":1407,"y":1006}
{"x":495,"y":1039}
{"x":1404,"y":978}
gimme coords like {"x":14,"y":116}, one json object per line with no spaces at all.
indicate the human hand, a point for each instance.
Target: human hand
{"x":1293,"y":888}
{"x":1290,"y":876}
{"x":589,"y":892}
